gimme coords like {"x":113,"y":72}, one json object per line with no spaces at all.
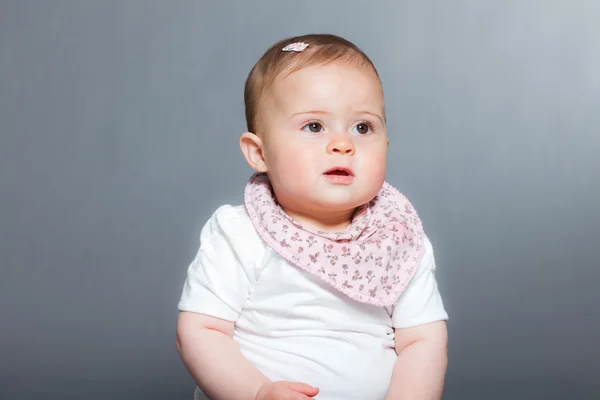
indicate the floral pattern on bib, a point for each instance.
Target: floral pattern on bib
{"x":372,"y":261}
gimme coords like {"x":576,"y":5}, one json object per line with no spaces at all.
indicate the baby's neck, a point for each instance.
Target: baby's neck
{"x":329,"y":221}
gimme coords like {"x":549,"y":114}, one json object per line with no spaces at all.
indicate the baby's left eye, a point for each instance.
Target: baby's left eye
{"x":314,"y":127}
{"x":363,"y":128}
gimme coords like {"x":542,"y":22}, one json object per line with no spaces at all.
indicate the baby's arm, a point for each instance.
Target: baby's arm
{"x":214,"y":360}
{"x":217,"y":365}
{"x":421,"y":337}
{"x":219,"y":282}
{"x":421,"y":365}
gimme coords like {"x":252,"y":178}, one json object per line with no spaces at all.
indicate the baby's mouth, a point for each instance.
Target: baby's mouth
{"x":339,"y":172}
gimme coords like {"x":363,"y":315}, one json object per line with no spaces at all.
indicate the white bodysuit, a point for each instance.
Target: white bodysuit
{"x":291,"y":325}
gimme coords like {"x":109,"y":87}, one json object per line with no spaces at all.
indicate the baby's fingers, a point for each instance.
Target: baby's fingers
{"x":298,"y":396}
{"x":304,"y":389}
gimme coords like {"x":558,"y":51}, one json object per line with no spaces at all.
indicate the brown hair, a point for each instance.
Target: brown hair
{"x":322,"y":49}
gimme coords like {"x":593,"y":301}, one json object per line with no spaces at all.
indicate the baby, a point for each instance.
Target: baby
{"x":322,"y":284}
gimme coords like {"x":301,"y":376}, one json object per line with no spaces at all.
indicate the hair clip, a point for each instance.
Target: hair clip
{"x":298,"y":47}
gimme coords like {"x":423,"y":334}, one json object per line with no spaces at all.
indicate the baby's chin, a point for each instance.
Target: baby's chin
{"x":333,"y":202}
{"x":326,"y":197}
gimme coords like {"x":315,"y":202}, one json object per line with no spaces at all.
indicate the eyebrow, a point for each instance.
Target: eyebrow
{"x":325,"y":112}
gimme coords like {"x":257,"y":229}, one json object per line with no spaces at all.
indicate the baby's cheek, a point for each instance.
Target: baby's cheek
{"x":293,"y":171}
{"x":374,"y":169}
{"x":373,"y":159}
{"x":378,"y":156}
{"x":379,"y":165}
{"x":299,"y":172}
{"x":300,"y":161}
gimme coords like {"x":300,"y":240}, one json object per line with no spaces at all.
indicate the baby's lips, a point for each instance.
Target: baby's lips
{"x":339,"y":171}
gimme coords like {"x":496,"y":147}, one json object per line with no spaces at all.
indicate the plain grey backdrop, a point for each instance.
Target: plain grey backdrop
{"x":119,"y":127}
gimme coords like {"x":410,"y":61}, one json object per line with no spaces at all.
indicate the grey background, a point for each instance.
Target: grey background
{"x":119,"y":126}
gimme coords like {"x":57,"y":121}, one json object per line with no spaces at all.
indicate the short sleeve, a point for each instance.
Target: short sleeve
{"x":421,"y":302}
{"x":221,"y":276}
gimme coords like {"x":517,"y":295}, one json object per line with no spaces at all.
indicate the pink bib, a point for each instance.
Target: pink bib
{"x":372,"y":261}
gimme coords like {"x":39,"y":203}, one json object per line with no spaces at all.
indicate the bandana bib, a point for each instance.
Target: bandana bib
{"x":371,"y":261}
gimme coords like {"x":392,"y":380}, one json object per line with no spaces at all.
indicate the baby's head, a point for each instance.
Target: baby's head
{"x":316,"y":126}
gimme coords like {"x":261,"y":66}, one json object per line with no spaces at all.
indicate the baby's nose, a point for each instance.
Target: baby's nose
{"x":341,"y":145}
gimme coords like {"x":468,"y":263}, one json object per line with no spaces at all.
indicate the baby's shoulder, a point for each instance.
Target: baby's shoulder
{"x":229,"y":215}
{"x":231,"y":231}
{"x":232,"y":224}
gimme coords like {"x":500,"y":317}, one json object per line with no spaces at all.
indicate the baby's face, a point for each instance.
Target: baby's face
{"x":325,"y":141}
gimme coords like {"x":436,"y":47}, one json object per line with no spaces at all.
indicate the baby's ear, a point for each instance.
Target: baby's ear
{"x":252,"y":148}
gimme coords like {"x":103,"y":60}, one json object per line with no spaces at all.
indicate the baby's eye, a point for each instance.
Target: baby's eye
{"x":313,"y":127}
{"x":363,"y":128}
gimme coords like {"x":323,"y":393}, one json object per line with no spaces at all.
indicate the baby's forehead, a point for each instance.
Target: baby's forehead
{"x":338,"y":82}
{"x":309,"y":70}
{"x":332,"y":71}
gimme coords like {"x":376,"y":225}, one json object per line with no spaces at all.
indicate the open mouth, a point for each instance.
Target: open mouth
{"x":339,"y":171}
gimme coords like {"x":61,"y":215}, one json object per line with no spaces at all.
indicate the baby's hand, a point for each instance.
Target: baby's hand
{"x":283,"y":390}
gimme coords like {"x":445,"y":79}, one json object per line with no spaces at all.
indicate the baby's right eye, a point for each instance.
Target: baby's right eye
{"x":313,"y":127}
